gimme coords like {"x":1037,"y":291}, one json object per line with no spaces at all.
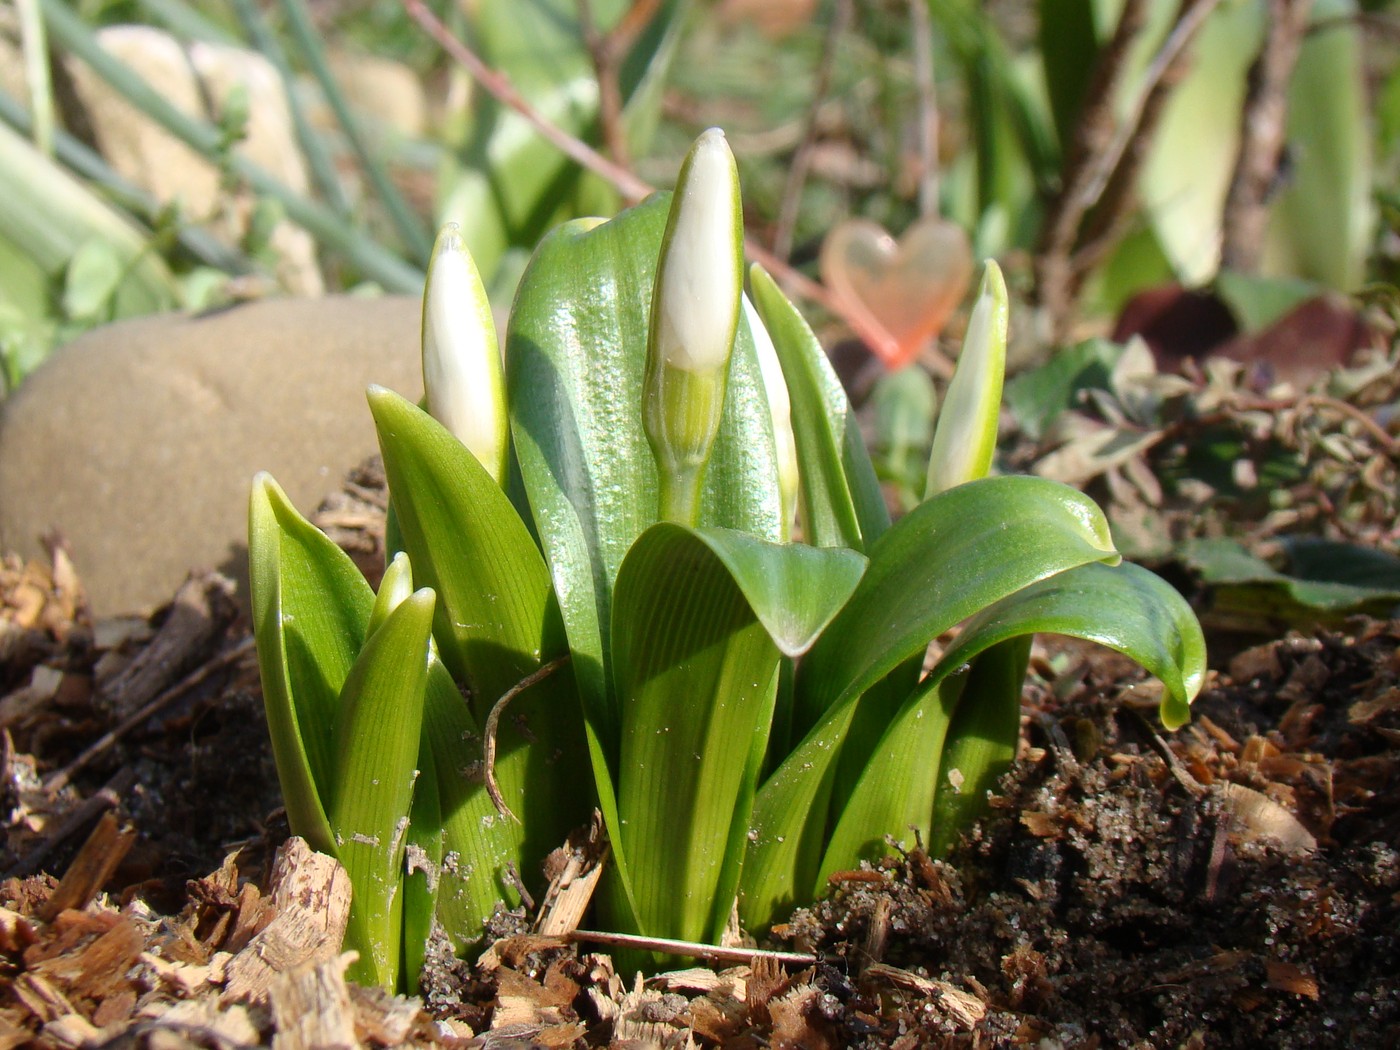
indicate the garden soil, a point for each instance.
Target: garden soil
{"x":1235,"y":884}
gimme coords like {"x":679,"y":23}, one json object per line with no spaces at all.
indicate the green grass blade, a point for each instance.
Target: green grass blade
{"x":841,"y":502}
{"x":376,"y":748}
{"x":311,"y":608}
{"x":409,"y":226}
{"x":373,"y":261}
{"x":313,"y":147}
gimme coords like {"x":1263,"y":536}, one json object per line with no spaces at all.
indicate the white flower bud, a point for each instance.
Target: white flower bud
{"x":462,"y":373}
{"x":780,"y":409}
{"x":696,"y":304}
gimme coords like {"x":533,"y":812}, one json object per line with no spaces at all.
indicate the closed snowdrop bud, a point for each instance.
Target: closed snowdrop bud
{"x":966,"y":435}
{"x":462,"y":373}
{"x":694,"y":313}
{"x":780,"y":409}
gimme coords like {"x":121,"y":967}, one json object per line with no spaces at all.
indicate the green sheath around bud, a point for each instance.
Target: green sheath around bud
{"x":694,"y":314}
{"x":966,"y":435}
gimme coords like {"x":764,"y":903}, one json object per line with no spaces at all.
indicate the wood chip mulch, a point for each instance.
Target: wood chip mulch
{"x":1236,"y":884}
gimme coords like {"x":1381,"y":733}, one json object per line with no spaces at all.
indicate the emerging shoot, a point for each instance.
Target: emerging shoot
{"x":462,"y":374}
{"x":694,"y":314}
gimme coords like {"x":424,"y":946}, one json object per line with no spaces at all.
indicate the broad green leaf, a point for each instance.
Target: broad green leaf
{"x":422,"y":865}
{"x":841,"y":502}
{"x":1324,"y":583}
{"x":951,"y":557}
{"x":981,"y":739}
{"x":466,"y":542}
{"x":311,"y":607}
{"x":496,"y":624}
{"x":795,"y":590}
{"x":696,"y":679}
{"x":895,"y":794}
{"x":576,"y":352}
{"x":1124,"y":607}
{"x":376,"y":745}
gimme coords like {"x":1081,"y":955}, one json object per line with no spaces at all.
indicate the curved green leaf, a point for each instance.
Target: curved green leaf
{"x":1124,"y":607}
{"x":575,"y":357}
{"x":696,"y":680}
{"x":954,"y":555}
{"x":842,"y":505}
{"x":794,"y":590}
{"x":311,"y":608}
{"x":466,"y":541}
{"x":376,"y":745}
{"x":947,"y":559}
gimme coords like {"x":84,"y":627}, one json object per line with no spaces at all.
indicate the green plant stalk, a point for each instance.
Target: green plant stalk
{"x":183,"y":20}
{"x":683,"y":411}
{"x":411,"y":230}
{"x":36,"y":73}
{"x":49,"y":214}
{"x":312,"y":146}
{"x":73,"y":154}
{"x":370,"y":258}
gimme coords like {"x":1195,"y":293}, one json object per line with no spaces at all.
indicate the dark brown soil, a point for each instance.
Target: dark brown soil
{"x":1234,"y":886}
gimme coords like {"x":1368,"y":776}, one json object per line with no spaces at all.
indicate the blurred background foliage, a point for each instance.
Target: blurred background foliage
{"x":1090,"y":145}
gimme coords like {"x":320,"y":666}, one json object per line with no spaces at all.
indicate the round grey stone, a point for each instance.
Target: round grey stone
{"x":138,"y":441}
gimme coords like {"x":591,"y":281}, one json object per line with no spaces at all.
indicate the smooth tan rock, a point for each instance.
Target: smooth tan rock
{"x":138,"y":441}
{"x":198,"y":79}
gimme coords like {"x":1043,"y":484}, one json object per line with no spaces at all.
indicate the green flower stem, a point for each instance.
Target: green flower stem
{"x":682,"y":415}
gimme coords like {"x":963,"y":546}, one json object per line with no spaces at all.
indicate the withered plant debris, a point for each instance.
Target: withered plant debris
{"x":1234,"y":885}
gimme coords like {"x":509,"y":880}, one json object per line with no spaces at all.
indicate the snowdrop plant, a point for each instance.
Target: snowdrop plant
{"x":628,"y":625}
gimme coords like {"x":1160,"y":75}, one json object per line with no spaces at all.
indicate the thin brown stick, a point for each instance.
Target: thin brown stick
{"x":500,"y":87}
{"x":791,"y":200}
{"x":691,"y":949}
{"x":921,"y":29}
{"x":60,"y":779}
{"x":493,"y":721}
{"x":634,"y":188}
{"x":1262,"y":134}
{"x":1093,"y":137}
{"x":606,"y":51}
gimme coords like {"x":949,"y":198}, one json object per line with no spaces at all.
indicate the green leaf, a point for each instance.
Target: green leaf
{"x":311,"y":608}
{"x":795,"y":590}
{"x":696,"y":680}
{"x":376,"y":744}
{"x":841,"y":502}
{"x":1325,"y":582}
{"x":1038,"y":396}
{"x":951,"y":557}
{"x":904,"y":404}
{"x":467,"y":543}
{"x":496,"y":623}
{"x":92,"y":278}
{"x":1124,"y":607}
{"x":576,"y":352}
